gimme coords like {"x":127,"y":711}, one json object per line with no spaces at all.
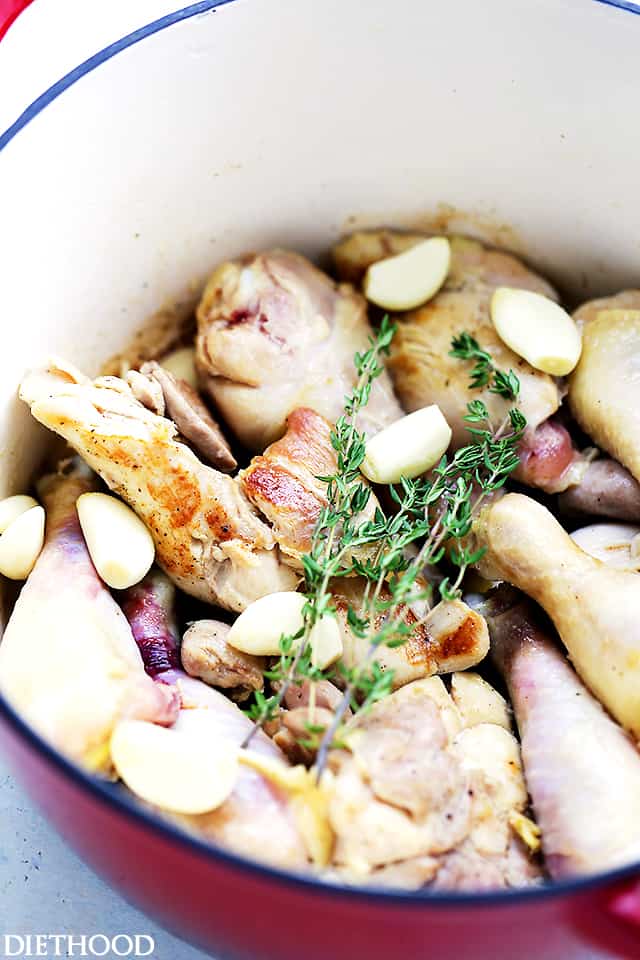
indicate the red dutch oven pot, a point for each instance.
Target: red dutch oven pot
{"x":223,"y":903}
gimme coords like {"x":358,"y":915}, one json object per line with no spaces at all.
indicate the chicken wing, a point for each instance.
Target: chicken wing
{"x":582,"y":770}
{"x":68,"y":660}
{"x":595,"y":609}
{"x":208,"y":537}
{"x":275,"y":333}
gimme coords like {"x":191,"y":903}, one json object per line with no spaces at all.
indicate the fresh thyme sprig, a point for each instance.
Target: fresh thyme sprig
{"x":435,"y":512}
{"x":335,"y":536}
{"x":483,"y":373}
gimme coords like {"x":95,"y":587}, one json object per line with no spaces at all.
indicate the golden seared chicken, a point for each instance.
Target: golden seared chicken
{"x":604,"y":389}
{"x":68,"y":660}
{"x":275,"y":333}
{"x":257,"y":819}
{"x":283,"y":484}
{"x":582,"y":770}
{"x":415,"y":795}
{"x":449,"y":637}
{"x":208,"y":537}
{"x":595,"y":609}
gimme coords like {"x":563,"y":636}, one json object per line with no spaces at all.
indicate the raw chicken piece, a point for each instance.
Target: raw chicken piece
{"x":595,"y":609}
{"x":208,"y":537}
{"x":604,"y":389}
{"x":582,"y":770}
{"x":68,"y":661}
{"x":206,"y":654}
{"x":257,"y":820}
{"x":275,"y":333}
{"x":283,"y":483}
{"x":406,"y":788}
{"x":452,"y":637}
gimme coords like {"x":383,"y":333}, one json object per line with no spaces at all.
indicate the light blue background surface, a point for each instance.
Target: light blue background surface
{"x":45,"y":888}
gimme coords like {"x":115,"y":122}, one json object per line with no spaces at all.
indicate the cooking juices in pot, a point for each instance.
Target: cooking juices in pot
{"x":400,"y":645}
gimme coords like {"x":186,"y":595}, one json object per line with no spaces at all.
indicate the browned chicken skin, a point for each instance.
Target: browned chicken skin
{"x":275,"y":333}
{"x":208,"y":537}
{"x":282,"y":482}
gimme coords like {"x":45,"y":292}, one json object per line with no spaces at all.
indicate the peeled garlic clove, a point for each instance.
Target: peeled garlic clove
{"x":325,"y":641}
{"x":258,"y":628}
{"x":175,"y":771}
{"x":121,"y":547}
{"x":407,"y":447}
{"x":477,"y":701}
{"x":21,"y":543}
{"x":181,"y":363}
{"x":410,"y":278}
{"x":12,"y":507}
{"x":613,"y":543}
{"x":537,"y":329}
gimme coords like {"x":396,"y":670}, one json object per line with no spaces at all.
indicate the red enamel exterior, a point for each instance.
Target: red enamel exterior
{"x":9,"y":10}
{"x":237,"y":911}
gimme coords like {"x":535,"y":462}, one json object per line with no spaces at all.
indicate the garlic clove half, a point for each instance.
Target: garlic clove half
{"x":172,"y":768}
{"x":408,"y":447}
{"x":410,"y":278}
{"x":325,"y":640}
{"x":12,"y":507}
{"x":21,"y":543}
{"x":120,"y":545}
{"x":537,"y":329}
{"x":259,"y":628}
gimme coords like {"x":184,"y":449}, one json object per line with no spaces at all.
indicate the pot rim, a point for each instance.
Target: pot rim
{"x":109,"y":794}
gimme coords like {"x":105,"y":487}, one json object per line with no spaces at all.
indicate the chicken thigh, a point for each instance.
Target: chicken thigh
{"x":414,"y":794}
{"x":208,"y":537}
{"x":275,"y":333}
{"x":420,"y":365}
{"x":582,"y":770}
{"x":595,"y":609}
{"x":423,"y":372}
{"x":68,"y":660}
